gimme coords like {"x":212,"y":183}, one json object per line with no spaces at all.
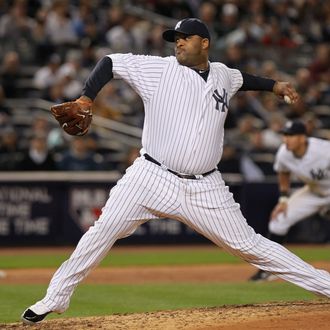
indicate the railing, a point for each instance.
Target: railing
{"x":99,"y":176}
{"x":107,"y":128}
{"x":150,"y":16}
{"x":56,"y":176}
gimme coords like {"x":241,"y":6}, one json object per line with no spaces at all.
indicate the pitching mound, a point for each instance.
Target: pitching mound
{"x":297,"y":315}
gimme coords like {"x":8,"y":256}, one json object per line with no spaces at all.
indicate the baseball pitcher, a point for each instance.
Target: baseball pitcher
{"x":186,"y":100}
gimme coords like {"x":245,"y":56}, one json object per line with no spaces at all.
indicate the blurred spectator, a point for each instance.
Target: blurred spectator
{"x":141,"y":35}
{"x":55,"y":93}
{"x":173,"y":8}
{"x":44,"y":47}
{"x":71,"y":86}
{"x":230,"y":160}
{"x":88,"y":54}
{"x":58,"y":140}
{"x":37,"y":157}
{"x":59,"y":25}
{"x":71,"y":75}
{"x":73,"y":65}
{"x":83,"y":21}
{"x":114,"y":17}
{"x":129,"y":158}
{"x":3,"y":7}
{"x":82,"y":32}
{"x":208,"y":13}
{"x":270,"y":104}
{"x":40,"y":126}
{"x":241,"y":135}
{"x":257,"y":144}
{"x":312,"y":124}
{"x":320,"y":66}
{"x":257,"y":27}
{"x":235,"y":57}
{"x":306,"y":86}
{"x":244,"y":105}
{"x":79,"y":157}
{"x":229,"y":18}
{"x":303,"y":79}
{"x":315,"y":16}
{"x":120,"y":37}
{"x":296,"y":110}
{"x":275,"y":37}
{"x":155,"y":43}
{"x":16,"y":30}
{"x":250,"y":170}
{"x":5,"y":112}
{"x":269,"y":69}
{"x":234,"y":161}
{"x":118,"y":102}
{"x":10,"y":73}
{"x":271,"y":135}
{"x":11,"y":154}
{"x":105,"y":103}
{"x":47,"y":75}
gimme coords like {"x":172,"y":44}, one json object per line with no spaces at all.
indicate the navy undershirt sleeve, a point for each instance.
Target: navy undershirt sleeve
{"x":101,"y":74}
{"x":255,"y":83}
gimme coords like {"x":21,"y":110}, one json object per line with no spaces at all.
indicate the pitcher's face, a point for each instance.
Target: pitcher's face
{"x":191,"y":50}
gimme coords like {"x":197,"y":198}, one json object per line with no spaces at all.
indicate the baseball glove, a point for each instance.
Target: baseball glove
{"x":74,"y":117}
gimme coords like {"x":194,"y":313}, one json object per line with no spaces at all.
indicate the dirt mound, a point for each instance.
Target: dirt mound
{"x":298,"y":315}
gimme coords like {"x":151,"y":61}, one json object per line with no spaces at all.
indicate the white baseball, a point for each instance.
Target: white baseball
{"x":287,"y":99}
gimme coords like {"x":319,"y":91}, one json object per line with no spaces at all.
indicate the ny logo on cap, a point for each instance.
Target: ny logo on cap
{"x":288,"y":124}
{"x":177,"y":26}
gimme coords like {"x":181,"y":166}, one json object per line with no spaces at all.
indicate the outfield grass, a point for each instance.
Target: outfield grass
{"x":151,"y":258}
{"x":96,"y":300}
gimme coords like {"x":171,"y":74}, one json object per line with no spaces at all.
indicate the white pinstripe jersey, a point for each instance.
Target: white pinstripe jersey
{"x":184,"y":115}
{"x":313,"y":168}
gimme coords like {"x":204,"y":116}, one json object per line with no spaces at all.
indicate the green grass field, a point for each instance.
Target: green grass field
{"x":90,"y":299}
{"x":118,"y":258}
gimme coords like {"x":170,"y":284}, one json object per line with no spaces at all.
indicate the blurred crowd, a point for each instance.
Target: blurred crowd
{"x":48,"y":48}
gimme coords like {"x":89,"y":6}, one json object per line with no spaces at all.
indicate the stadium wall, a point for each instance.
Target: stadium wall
{"x":57,"y":208}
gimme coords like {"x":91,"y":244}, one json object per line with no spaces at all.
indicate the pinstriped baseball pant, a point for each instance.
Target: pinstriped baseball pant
{"x":147,"y":191}
{"x":301,"y":204}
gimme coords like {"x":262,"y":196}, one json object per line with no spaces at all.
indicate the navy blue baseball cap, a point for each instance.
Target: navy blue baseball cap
{"x":188,"y":26}
{"x":294,"y":127}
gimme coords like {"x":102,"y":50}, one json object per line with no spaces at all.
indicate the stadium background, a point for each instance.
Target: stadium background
{"x":47,"y":48}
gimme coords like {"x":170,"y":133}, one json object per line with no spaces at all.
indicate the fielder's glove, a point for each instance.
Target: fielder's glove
{"x":74,"y":117}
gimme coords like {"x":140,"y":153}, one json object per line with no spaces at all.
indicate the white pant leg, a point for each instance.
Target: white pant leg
{"x":142,"y":194}
{"x":211,"y":210}
{"x":301,"y":204}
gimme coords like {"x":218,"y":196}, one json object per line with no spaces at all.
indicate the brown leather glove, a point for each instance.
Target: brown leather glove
{"x":74,"y":117}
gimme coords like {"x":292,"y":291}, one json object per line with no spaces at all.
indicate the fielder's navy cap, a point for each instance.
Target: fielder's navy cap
{"x":189,"y":26}
{"x":294,"y":127}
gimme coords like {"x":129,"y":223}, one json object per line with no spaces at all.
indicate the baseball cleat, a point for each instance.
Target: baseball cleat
{"x":35,"y":313}
{"x":262,"y":276}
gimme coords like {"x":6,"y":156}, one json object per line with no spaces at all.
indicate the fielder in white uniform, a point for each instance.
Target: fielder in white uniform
{"x":186,"y":101}
{"x":308,"y":159}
